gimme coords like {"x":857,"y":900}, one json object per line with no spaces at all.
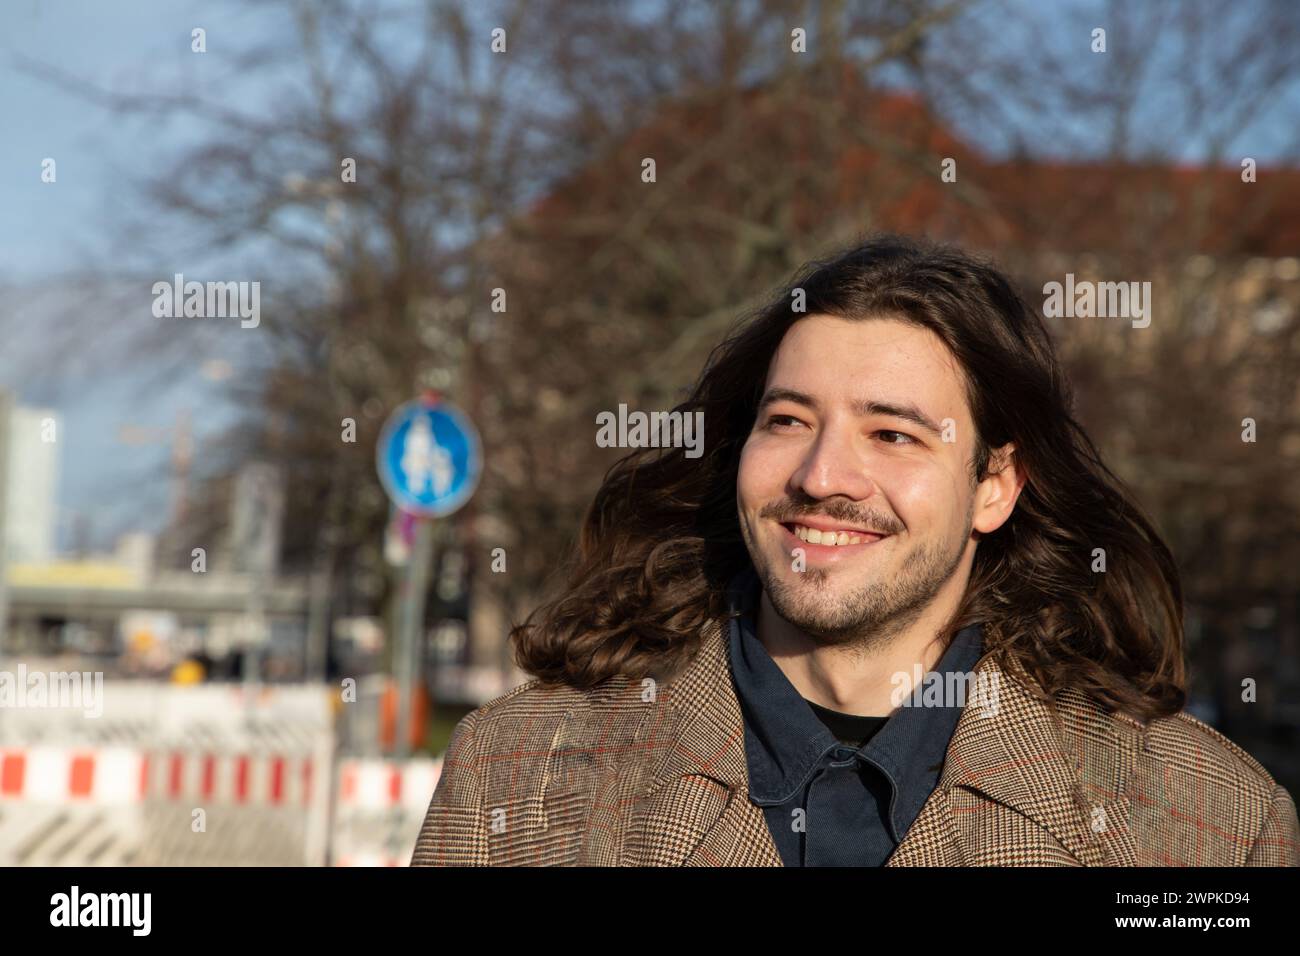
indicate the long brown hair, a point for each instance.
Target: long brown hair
{"x":662,"y":539}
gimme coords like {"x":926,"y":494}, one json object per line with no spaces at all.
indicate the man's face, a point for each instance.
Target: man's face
{"x":837,"y":447}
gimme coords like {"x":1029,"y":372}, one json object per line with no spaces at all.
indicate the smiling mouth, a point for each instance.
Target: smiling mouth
{"x":831,"y":537}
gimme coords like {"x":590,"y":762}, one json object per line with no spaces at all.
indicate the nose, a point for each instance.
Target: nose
{"x":834,"y":465}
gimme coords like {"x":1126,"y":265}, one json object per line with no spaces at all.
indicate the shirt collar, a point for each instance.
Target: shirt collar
{"x":785,"y":741}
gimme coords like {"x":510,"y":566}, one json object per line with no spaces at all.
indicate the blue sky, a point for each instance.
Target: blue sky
{"x":82,"y":364}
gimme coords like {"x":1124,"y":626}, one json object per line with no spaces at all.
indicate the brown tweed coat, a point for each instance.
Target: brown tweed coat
{"x":629,"y":774}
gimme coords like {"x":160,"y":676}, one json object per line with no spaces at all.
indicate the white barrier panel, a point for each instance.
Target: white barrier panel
{"x":277,"y":717}
{"x":263,"y":809}
{"x":369,"y":784}
{"x":260,"y":807}
{"x":70,"y":834}
{"x":381,"y":804}
{"x":120,"y":780}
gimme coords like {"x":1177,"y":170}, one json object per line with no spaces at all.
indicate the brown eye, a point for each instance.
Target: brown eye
{"x":910,"y":439}
{"x":781,"y":420}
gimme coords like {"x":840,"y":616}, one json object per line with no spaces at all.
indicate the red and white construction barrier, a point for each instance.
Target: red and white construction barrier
{"x":384,"y":784}
{"x":379,"y":807}
{"x":381,"y":804}
{"x":267,"y":780}
{"x":58,"y":775}
{"x":125,"y":775}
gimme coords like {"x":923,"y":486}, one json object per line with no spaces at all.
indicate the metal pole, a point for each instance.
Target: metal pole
{"x":256,"y":636}
{"x":318,"y":622}
{"x":410,"y":631}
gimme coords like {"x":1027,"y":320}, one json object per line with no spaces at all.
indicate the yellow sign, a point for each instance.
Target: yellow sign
{"x":81,"y":574}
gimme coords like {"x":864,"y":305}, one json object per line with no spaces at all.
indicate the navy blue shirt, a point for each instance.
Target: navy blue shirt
{"x":828,"y":803}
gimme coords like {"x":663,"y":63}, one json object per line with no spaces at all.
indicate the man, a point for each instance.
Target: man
{"x":898,"y":613}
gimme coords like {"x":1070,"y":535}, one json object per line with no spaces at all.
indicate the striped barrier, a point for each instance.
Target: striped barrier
{"x":383,"y":784}
{"x":262,"y":808}
{"x":263,"y":779}
{"x":121,"y":775}
{"x":114,"y":775}
{"x":63,"y":804}
{"x":380,"y":806}
{"x":124,"y":787}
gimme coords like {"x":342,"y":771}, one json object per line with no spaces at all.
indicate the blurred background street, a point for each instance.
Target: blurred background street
{"x":192,"y":506}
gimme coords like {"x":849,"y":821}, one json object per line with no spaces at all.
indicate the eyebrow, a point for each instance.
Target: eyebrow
{"x":861,"y":407}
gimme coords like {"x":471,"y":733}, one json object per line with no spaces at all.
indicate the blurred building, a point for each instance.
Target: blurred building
{"x":121,"y":607}
{"x":31,"y":504}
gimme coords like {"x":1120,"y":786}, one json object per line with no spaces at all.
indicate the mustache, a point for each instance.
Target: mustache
{"x":785,"y":511}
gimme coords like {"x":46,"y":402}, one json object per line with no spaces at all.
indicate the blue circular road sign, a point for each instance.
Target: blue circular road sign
{"x":429,"y":458}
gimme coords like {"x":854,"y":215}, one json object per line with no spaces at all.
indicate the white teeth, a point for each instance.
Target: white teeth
{"x":831,"y":538}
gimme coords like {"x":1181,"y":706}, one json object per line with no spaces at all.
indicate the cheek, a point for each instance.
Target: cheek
{"x":759,"y":477}
{"x":920,"y":498}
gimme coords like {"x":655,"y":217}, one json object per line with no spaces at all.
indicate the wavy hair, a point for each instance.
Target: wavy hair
{"x":661,"y":540}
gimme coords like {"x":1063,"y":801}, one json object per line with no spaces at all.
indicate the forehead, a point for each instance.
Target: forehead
{"x":880,"y":359}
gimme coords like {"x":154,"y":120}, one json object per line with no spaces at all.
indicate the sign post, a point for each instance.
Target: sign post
{"x":257,"y":516}
{"x":430,"y":460}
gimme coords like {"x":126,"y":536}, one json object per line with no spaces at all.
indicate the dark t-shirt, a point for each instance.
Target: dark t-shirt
{"x":848,"y":729}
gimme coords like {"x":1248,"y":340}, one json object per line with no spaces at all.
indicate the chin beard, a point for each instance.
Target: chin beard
{"x":860,"y":612}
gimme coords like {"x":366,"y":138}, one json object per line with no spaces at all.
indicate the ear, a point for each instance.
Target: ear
{"x":995,"y":496}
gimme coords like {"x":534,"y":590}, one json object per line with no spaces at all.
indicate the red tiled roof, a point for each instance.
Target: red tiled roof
{"x":888,"y":172}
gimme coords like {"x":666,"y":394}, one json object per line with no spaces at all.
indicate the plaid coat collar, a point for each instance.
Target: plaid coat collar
{"x":1014,"y":756}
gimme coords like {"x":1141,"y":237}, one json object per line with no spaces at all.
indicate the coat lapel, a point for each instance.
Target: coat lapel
{"x":698,"y":813}
{"x":1013,"y":755}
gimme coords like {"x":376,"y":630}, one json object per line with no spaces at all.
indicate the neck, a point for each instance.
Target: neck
{"x":859,"y":677}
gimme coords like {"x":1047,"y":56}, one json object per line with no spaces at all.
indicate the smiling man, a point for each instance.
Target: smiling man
{"x":765,"y":655}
